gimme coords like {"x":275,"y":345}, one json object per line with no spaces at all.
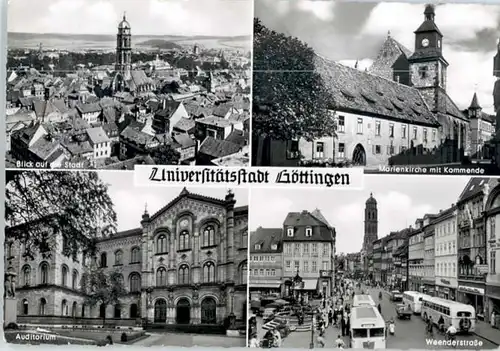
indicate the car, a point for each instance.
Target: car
{"x":396,"y":296}
{"x":403,"y":312}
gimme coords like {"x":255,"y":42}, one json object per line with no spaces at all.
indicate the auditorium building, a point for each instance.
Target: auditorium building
{"x":183,"y":265}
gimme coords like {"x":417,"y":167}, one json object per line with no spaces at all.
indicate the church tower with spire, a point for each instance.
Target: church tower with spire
{"x":124,"y":48}
{"x":371,"y":224}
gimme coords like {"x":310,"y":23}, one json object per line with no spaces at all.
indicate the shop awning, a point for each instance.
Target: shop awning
{"x":310,"y":284}
{"x":265,"y":285}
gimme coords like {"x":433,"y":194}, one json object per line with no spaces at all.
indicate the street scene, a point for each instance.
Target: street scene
{"x":138,"y":88}
{"x":82,"y":278}
{"x":392,"y":241}
{"x":380,"y":92}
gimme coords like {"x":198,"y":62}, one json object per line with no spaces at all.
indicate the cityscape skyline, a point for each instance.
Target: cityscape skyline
{"x":399,"y":204}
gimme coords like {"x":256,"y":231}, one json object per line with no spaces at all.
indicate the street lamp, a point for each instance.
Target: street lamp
{"x":311,"y":345}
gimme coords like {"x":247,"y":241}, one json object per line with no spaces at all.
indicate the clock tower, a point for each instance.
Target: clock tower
{"x":427,"y":64}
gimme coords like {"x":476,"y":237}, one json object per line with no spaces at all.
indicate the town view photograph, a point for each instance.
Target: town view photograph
{"x":90,"y":259}
{"x":376,"y":84}
{"x":111,"y":84}
{"x":392,"y":266}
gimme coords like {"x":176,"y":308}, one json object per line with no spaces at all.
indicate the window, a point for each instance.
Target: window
{"x":135,"y":282}
{"x":314,"y":266}
{"x":422,"y":71}
{"x":44,"y":273}
{"x":325,"y":265}
{"x":360,"y":126}
{"x":209,"y":272}
{"x":274,"y":247}
{"x":288,"y":264}
{"x":64,"y":276}
{"x":161,"y":244}
{"x":305,"y":249}
{"x":135,"y":255}
{"x":161,"y":277}
{"x":492,"y":228}
{"x":289,"y":232}
{"x":403,"y":131}
{"x":273,"y":272}
{"x":292,"y":149}
{"x":296,"y":265}
{"x":183,"y":275}
{"x":42,"y":305}
{"x":184,"y":240}
{"x":320,"y":150}
{"x":212,"y":133}
{"x":26,"y":275}
{"x":425,"y":135}
{"x":25,"y":307}
{"x":391,"y":130}
{"x":377,"y":149}
{"x":209,"y":236}
{"x":493,"y":262}
{"x":64,"y":308}
{"x":306,"y":266}
{"x":118,"y":258}
{"x":341,"y":150}
{"x":434,"y":133}
{"x":325,"y":249}
{"x":74,"y":280}
{"x":341,"y":126}
{"x":104,"y":260}
{"x":415,"y":133}
{"x":257,"y":246}
{"x":309,"y":231}
{"x":315,"y":249}
{"x":377,"y":128}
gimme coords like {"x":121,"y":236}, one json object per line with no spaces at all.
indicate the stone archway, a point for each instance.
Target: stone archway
{"x":183,"y":311}
{"x":208,"y":311}
{"x":359,"y":156}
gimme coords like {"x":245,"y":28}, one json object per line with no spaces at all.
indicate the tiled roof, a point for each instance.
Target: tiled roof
{"x":44,"y":147}
{"x":170,"y":107}
{"x":365,"y":93}
{"x":222,"y":110}
{"x":136,"y":135}
{"x":185,"y":124}
{"x":78,"y":148}
{"x":215,"y":121}
{"x":218,"y":148}
{"x":238,"y":137}
{"x":318,"y":215}
{"x":475,"y":186}
{"x":184,"y":140}
{"x":130,"y":163}
{"x":266,"y":237}
{"x":389,"y":53}
{"x":446,"y":106}
{"x":474,"y":104}
{"x":239,"y":159}
{"x":88,"y":108}
{"x":44,"y":108}
{"x":300,"y":221}
{"x":97,"y":135}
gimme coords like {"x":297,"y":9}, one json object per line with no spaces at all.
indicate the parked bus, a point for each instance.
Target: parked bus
{"x":414,"y":300}
{"x":367,"y":330}
{"x":462,"y":316}
{"x":363,"y":300}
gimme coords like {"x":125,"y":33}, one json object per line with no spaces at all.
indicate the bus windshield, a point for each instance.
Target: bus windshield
{"x":376,"y":332}
{"x":463,"y":314}
{"x":360,"y":333}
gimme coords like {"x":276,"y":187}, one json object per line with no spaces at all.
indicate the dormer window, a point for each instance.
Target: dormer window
{"x":257,"y":246}
{"x":274,"y":247}
{"x":309,"y":231}
{"x":289,"y":232}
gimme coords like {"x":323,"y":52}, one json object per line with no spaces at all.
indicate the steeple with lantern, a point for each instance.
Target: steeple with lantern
{"x":124,"y":48}
{"x":474,"y":108}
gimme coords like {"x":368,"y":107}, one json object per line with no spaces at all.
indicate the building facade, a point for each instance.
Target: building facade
{"x":445,"y":253}
{"x":492,"y":219}
{"x":308,"y":255}
{"x":472,"y":255}
{"x":429,"y":279}
{"x":185,"y":265}
{"x":266,"y":261}
{"x":416,"y":253}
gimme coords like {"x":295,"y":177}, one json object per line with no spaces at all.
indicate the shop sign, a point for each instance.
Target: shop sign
{"x":445,"y":281}
{"x":482,"y":268}
{"x":469,"y":289}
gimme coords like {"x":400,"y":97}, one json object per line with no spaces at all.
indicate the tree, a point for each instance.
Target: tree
{"x":290,"y":100}
{"x":102,"y":288}
{"x":41,"y":204}
{"x":165,"y":155}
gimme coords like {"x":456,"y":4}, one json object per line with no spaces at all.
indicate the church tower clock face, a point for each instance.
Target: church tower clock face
{"x":425,"y":42}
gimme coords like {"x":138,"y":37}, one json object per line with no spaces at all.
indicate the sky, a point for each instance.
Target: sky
{"x":146,"y":17}
{"x":400,"y":201}
{"x":355,"y":31}
{"x":130,"y":201}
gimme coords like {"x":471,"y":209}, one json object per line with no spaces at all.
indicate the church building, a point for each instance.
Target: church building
{"x":398,"y":107}
{"x":184,"y":265}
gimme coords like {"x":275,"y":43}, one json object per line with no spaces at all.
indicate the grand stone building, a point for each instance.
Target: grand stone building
{"x":185,"y":265}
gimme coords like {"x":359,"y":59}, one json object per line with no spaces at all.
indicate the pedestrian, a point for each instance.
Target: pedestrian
{"x":330,"y":316}
{"x":493,"y":319}
{"x":348,"y":325}
{"x":342,"y":325}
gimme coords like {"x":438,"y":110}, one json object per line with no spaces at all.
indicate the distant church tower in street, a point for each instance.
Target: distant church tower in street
{"x":124,"y":48}
{"x":371,"y":224}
